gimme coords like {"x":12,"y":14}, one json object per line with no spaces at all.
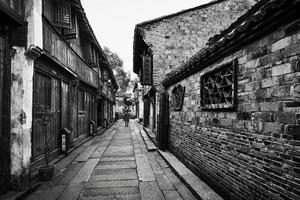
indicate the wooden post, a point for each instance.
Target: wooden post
{"x":163,"y":125}
{"x":146,"y":112}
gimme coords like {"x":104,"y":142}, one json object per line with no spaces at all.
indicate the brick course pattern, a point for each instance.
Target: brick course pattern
{"x":175,"y":39}
{"x":254,"y":152}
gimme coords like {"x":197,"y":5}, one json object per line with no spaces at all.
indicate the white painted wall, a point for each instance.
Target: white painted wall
{"x":21,"y":111}
{"x":22,"y":68}
{"x":33,"y":15}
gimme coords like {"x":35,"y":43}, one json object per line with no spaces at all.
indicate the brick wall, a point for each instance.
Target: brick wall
{"x":254,"y":152}
{"x":174,"y":40}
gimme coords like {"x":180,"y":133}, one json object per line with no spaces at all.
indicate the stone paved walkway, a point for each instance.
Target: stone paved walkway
{"x":115,"y":165}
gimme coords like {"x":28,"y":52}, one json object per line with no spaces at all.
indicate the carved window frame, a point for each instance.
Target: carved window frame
{"x":62,"y":14}
{"x":178,"y":93}
{"x":71,"y":32}
{"x":219,"y":88}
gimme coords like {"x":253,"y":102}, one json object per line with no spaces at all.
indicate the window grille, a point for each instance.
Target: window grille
{"x":62,"y":14}
{"x":70,"y":33}
{"x":219,"y":88}
{"x":178,"y":97}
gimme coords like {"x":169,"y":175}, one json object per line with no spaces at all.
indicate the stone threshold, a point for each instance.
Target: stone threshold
{"x":35,"y":184}
{"x":200,"y":189}
{"x":148,"y":131}
{"x":147,"y":139}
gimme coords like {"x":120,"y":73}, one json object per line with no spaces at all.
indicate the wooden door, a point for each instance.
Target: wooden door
{"x":65,"y":105}
{"x":82,"y":112}
{"x":41,"y":97}
{"x":163,"y":124}
{"x":55,"y":128}
{"x":88,"y":108}
{"x":99,"y":113}
{"x":73,"y":108}
{"x":146,"y":111}
{"x":46,"y":93}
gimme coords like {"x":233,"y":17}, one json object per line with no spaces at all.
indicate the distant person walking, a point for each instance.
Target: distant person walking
{"x":126,"y":118}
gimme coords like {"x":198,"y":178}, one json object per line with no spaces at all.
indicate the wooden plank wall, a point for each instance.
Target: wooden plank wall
{"x":65,"y":105}
{"x":55,"y":107}
{"x":47,"y":93}
{"x":74,"y":111}
{"x":85,"y":113}
{"x":57,"y":47}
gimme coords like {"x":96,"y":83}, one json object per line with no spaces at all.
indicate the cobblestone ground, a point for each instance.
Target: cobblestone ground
{"x":115,"y":165}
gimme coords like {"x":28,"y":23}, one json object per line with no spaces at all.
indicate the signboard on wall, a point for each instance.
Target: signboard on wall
{"x":146,"y":78}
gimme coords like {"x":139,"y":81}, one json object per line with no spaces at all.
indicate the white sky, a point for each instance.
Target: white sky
{"x":113,"y":21}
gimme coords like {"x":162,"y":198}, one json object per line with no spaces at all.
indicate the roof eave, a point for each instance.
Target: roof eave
{"x":241,"y":37}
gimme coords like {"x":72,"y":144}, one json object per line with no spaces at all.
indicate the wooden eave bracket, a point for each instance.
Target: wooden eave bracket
{"x":34,"y":52}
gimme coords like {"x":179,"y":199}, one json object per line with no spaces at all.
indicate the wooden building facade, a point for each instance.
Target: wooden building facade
{"x":50,"y":61}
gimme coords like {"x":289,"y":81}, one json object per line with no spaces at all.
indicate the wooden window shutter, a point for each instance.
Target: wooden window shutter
{"x":147,"y":70}
{"x":62,"y":14}
{"x":71,"y":33}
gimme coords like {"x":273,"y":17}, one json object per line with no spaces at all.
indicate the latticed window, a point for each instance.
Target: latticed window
{"x":218,"y":88}
{"x":62,"y":14}
{"x":178,"y":97}
{"x":71,"y":32}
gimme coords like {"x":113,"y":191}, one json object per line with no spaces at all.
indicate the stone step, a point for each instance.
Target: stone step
{"x":149,"y":144}
{"x":117,"y":183}
{"x":144,"y":169}
{"x":198,"y":187}
{"x":85,"y":172}
{"x":110,"y":191}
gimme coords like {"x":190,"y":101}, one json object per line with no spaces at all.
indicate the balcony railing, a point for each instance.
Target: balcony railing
{"x":59,"y":49}
{"x":16,"y":6}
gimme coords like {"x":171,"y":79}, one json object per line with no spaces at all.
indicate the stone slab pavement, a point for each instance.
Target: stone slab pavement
{"x":115,"y":165}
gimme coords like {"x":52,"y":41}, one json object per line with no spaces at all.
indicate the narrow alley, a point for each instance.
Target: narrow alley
{"x":114,"y":165}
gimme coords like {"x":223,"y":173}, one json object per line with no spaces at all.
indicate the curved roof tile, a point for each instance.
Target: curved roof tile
{"x":241,"y":31}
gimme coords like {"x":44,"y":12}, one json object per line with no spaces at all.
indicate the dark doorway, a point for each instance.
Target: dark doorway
{"x":99,"y":113}
{"x":4,"y":114}
{"x":146,"y":111}
{"x":65,"y":105}
{"x":84,"y":111}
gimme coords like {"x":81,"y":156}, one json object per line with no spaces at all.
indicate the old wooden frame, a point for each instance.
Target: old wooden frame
{"x":219,"y":88}
{"x":178,"y":93}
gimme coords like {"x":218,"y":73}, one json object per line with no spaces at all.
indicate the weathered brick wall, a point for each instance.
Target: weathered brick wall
{"x":253,"y":153}
{"x":174,"y":40}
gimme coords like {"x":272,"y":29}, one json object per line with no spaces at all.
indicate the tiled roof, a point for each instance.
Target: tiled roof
{"x":260,"y":20}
